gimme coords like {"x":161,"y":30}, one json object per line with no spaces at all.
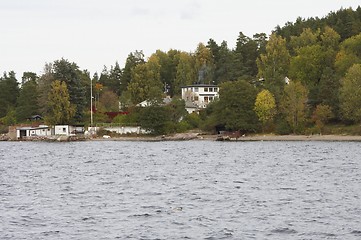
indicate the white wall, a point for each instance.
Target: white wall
{"x":61,"y":130}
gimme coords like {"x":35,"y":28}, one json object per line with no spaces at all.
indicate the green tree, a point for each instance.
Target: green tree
{"x":111,"y":79}
{"x":60,"y":110}
{"x":146,"y":83}
{"x":185,"y":72}
{"x":63,"y":70}
{"x":328,"y":90}
{"x":245,"y":56}
{"x":10,"y":118}
{"x":131,"y":62}
{"x":29,"y":76}
{"x":273,"y":64}
{"x":154,"y":119}
{"x":168,"y":67}
{"x":306,"y":38}
{"x":293,"y":105}
{"x":176,"y":109}
{"x":27,"y":102}
{"x":265,"y":107}
{"x":44,"y":87}
{"x":349,"y":54}
{"x":224,"y":62}
{"x":234,"y":110}
{"x":350,"y":94}
{"x":9,"y":91}
{"x":307,"y":66}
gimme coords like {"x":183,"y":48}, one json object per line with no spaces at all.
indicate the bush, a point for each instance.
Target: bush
{"x":283,"y":128}
{"x":193,"y":120}
{"x":183,"y":126}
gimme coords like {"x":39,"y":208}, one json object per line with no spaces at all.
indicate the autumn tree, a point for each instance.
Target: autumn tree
{"x":60,"y":110}
{"x":321,"y":115}
{"x":293,"y":104}
{"x":204,"y":64}
{"x":69,"y":72}
{"x":265,"y":107}
{"x":109,"y":101}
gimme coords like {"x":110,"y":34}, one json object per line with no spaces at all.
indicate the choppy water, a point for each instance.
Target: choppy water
{"x":180,"y":190}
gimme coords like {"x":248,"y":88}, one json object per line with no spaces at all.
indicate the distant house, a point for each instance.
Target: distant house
{"x":198,"y":96}
{"x":42,"y":130}
{"x":35,"y":118}
{"x":68,"y":130}
{"x":147,"y":103}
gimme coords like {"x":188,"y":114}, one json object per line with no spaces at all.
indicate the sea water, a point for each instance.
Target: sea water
{"x":180,"y":190}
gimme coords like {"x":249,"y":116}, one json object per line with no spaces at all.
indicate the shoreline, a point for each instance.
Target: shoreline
{"x":188,"y":137}
{"x":200,"y":137}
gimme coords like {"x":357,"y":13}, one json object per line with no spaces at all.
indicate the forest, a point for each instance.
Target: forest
{"x":303,"y":78}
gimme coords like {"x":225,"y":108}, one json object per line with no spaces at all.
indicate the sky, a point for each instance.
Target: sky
{"x":97,"y":33}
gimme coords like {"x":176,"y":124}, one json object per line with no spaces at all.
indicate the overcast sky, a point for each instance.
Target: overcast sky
{"x":94,"y":33}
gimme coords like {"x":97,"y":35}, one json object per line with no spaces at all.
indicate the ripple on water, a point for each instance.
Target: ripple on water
{"x":180,"y":190}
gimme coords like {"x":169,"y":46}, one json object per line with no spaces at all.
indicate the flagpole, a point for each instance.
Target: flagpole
{"x":91,"y":103}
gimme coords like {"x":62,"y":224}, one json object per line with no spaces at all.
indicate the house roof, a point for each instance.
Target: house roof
{"x":189,"y":104}
{"x":200,"y":85}
{"x":32,"y":128}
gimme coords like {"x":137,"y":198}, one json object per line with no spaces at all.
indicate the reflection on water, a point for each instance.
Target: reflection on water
{"x":180,"y":190}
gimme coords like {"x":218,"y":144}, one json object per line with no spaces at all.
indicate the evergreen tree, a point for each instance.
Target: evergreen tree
{"x":132,"y":61}
{"x":9,"y":92}
{"x":27,"y":102}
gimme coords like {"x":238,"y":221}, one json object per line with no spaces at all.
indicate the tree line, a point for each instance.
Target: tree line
{"x":302,"y":75}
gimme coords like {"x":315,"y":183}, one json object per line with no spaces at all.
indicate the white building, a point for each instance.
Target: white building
{"x":42,"y":130}
{"x":199,"y":95}
{"x":68,"y":130}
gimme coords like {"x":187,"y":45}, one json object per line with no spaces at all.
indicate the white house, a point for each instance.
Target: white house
{"x":68,"y":130}
{"x":42,"y":130}
{"x":199,"y":95}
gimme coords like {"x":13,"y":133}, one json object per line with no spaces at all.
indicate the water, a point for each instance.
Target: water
{"x":180,"y":190}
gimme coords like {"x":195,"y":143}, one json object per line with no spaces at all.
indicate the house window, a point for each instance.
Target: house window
{"x":206,"y":89}
{"x":210,"y":98}
{"x":215,"y":89}
{"x":211,"y":89}
{"x":196,"y":98}
{"x":64,"y":129}
{"x":196,"y":89}
{"x":206,"y":99}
